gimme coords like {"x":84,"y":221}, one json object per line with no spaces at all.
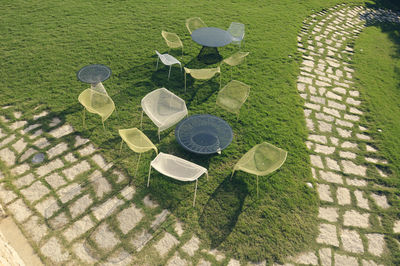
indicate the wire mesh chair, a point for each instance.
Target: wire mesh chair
{"x":232,"y":96}
{"x":177,"y":168}
{"x":137,"y":141}
{"x":261,"y":160}
{"x":203,"y":74}
{"x":172,"y":39}
{"x":194,"y":23}
{"x":236,"y":29}
{"x":235,"y":59}
{"x":164,"y":108}
{"x":168,"y":60}
{"x":97,"y":103}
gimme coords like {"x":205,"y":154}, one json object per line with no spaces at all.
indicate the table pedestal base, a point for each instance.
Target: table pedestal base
{"x":209,"y":55}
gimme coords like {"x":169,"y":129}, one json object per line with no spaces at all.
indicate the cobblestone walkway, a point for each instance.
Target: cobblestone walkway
{"x":101,"y":220}
{"x":344,"y":161}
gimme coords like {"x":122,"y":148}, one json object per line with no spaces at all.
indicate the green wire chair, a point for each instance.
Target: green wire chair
{"x":97,"y":103}
{"x":137,"y":141}
{"x":261,"y":160}
{"x":232,"y":96}
{"x":203,"y":74}
{"x":194,"y":23}
{"x":235,"y":59}
{"x":172,"y":39}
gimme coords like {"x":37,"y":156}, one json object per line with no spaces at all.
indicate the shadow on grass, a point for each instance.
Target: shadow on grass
{"x":222,"y":210}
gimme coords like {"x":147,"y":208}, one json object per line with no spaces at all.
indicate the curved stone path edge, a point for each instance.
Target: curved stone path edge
{"x":68,"y":222}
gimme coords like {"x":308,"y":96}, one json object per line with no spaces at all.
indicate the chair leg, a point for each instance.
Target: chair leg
{"x":157,"y":63}
{"x":220,"y":80}
{"x":257,"y":187}
{"x":120,"y":146}
{"x":104,"y":128}
{"x":233,"y":171}
{"x":185,"y":81}
{"x":159,"y":139}
{"x":83,"y":118}
{"x":169,"y":73}
{"x":148,"y":177}
{"x":141,"y":120}
{"x":195,"y":191}
{"x":137,"y":167}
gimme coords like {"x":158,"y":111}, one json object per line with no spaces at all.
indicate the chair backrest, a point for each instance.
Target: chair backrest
{"x":262,"y":159}
{"x":204,"y":73}
{"x":97,"y":102}
{"x":137,"y":140}
{"x":162,"y":58}
{"x":172,"y":39}
{"x":236,"y":29}
{"x":236,"y":58}
{"x":194,"y":23}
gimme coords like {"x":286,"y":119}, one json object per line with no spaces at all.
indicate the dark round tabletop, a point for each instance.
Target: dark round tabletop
{"x":94,"y":74}
{"x":203,"y":134}
{"x":211,"y":37}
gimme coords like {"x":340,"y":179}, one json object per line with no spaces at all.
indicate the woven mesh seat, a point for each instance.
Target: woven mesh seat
{"x":203,"y":74}
{"x":97,"y":103}
{"x":232,"y":96}
{"x":261,"y":160}
{"x":194,"y":23}
{"x":172,"y":39}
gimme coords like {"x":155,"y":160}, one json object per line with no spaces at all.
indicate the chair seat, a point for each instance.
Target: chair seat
{"x":170,"y":60}
{"x":177,"y":168}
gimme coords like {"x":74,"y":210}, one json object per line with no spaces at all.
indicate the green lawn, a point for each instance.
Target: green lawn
{"x":44,"y":44}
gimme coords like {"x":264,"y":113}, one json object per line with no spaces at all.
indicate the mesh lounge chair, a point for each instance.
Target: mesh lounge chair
{"x":203,"y":74}
{"x":235,"y":59}
{"x":137,"y":141}
{"x":97,"y":103}
{"x":232,"y":96}
{"x":194,"y":23}
{"x":177,"y":168}
{"x":164,"y":108}
{"x":261,"y":160}
{"x":172,"y":39}
{"x":167,"y":60}
{"x":236,"y":29}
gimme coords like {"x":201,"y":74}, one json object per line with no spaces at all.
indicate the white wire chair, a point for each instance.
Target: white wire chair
{"x":236,"y":29}
{"x":177,"y":168}
{"x":168,"y":60}
{"x":164,"y":108}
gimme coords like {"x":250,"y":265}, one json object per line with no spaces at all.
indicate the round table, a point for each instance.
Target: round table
{"x":204,"y":134}
{"x":94,"y":74}
{"x":211,"y":38}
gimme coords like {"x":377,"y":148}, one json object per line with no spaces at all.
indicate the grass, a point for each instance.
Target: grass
{"x":45,"y":43}
{"x":378,"y":81}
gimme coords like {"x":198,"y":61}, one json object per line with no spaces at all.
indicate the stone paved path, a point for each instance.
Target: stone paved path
{"x":344,"y":161}
{"x":103,"y":221}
